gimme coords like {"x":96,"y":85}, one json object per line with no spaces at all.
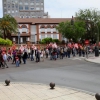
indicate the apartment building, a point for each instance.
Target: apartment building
{"x":24,"y":8}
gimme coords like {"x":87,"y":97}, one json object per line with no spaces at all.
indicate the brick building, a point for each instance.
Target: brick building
{"x":35,"y":29}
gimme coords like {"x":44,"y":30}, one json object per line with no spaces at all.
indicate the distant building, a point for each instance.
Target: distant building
{"x":36,"y":29}
{"x":24,"y":8}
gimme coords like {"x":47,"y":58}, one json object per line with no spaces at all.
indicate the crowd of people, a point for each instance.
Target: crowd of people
{"x":52,"y":52}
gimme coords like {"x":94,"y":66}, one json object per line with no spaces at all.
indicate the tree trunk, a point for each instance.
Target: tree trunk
{"x":4,"y":34}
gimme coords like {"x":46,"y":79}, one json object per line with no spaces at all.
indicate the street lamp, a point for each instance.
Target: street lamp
{"x":18,"y":39}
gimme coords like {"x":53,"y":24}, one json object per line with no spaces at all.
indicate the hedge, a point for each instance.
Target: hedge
{"x":5,"y":42}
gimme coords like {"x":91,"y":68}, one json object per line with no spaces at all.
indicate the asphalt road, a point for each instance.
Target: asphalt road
{"x":73,"y":72}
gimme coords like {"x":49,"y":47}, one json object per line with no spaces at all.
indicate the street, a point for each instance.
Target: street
{"x":69,"y":72}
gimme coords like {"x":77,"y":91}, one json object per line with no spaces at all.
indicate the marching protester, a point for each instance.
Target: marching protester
{"x":37,"y":55}
{"x":19,"y":54}
{"x":13,"y":55}
{"x":17,"y":60}
{"x":28,"y":52}
{"x":24,"y":56}
{"x":52,"y":51}
{"x":5,"y":60}
{"x":42,"y":54}
{"x":32,"y":54}
{"x":1,"y":60}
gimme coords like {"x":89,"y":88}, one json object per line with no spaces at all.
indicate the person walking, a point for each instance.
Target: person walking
{"x":61,"y":53}
{"x":5,"y":60}
{"x":17,"y":60}
{"x":13,"y":55}
{"x":42,"y":54}
{"x":37,"y":56}
{"x":19,"y":54}
{"x":1,"y":61}
{"x":25,"y":57}
{"x":31,"y":54}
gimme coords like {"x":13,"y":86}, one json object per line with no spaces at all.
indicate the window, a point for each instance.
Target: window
{"x":32,"y":3}
{"x":4,"y":5}
{"x":12,"y":5}
{"x":54,"y":36}
{"x":26,"y":8}
{"x":20,"y":7}
{"x":49,"y":35}
{"x":41,"y":8}
{"x":48,"y":29}
{"x":42,"y":29}
{"x":8,"y":5}
{"x":37,"y":0}
{"x":42,"y":36}
{"x":26,"y":3}
{"x":41,"y":3}
{"x":32,"y":0}
{"x":24,"y":26}
{"x":8,"y":11}
{"x":31,"y":8}
{"x":5,"y":1}
{"x":37,"y":8}
{"x":37,"y":3}
{"x":16,"y":6}
{"x":12,"y":11}
{"x":20,"y":3}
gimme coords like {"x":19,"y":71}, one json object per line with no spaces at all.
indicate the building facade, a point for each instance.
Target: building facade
{"x":36,"y":29}
{"x":24,"y":8}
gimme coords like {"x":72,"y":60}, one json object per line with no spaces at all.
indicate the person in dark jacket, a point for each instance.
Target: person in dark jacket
{"x":31,"y":54}
{"x":19,"y":56}
{"x":25,"y":57}
{"x":37,"y":56}
{"x":1,"y":61}
{"x":14,"y":54}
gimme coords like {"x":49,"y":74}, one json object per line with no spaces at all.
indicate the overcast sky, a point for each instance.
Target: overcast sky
{"x":65,"y":8}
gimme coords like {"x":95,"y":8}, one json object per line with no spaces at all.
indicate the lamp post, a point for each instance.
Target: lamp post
{"x":18,"y":39}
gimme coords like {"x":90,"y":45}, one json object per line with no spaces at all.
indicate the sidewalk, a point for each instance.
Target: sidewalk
{"x":93,"y":59}
{"x":29,"y":91}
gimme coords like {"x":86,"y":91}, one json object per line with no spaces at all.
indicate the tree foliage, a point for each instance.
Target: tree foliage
{"x":74,"y":31}
{"x":8,"y":25}
{"x":48,"y":40}
{"x":92,"y":19}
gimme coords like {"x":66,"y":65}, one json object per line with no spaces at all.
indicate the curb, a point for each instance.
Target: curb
{"x":86,"y":59}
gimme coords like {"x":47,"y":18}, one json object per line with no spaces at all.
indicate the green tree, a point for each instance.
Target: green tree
{"x":74,"y":31}
{"x":8,"y":25}
{"x":92,"y":19}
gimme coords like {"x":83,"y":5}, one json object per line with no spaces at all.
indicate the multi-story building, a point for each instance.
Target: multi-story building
{"x":24,"y":8}
{"x":36,"y":29}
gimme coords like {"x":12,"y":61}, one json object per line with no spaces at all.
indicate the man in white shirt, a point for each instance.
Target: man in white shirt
{"x":5,"y":60}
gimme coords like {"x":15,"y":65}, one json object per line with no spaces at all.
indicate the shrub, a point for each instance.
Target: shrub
{"x":5,"y":42}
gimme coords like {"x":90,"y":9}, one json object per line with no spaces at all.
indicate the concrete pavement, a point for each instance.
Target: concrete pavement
{"x":93,"y":59}
{"x":30,"y":91}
